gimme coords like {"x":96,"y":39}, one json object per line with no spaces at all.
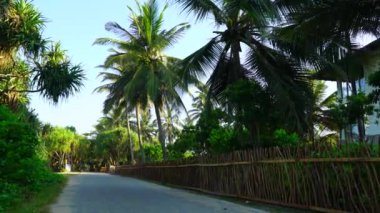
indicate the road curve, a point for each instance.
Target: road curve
{"x":103,"y":193}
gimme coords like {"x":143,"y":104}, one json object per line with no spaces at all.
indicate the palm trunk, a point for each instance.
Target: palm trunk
{"x":343,"y":131}
{"x":258,"y":133}
{"x":360,"y":118}
{"x":161,"y":133}
{"x":139,"y":134}
{"x":170,"y":131}
{"x":235,"y":53}
{"x":310,"y":124}
{"x":170,"y":139}
{"x":349,"y":138}
{"x":254,"y":130}
{"x":169,"y":123}
{"x":130,"y":139}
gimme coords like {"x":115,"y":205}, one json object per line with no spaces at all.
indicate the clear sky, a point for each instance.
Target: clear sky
{"x":77,"y":23}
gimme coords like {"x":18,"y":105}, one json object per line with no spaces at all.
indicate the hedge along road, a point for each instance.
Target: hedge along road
{"x":104,"y":193}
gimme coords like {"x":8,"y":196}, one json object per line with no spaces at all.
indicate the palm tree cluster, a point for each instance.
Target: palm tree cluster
{"x":262,"y":63}
{"x":145,"y":75}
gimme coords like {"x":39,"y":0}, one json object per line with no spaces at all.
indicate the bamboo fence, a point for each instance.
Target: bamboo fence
{"x":320,"y":179}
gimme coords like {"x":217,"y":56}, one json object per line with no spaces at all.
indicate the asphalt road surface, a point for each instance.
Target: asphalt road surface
{"x":103,"y":193}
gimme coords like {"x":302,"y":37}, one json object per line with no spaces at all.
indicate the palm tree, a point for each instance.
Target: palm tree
{"x":147,"y":126}
{"x":247,"y":23}
{"x":107,"y":122}
{"x":171,"y":122}
{"x":156,"y":76}
{"x":320,"y":116}
{"x":129,"y":136}
{"x":199,"y":103}
{"x":116,"y":99}
{"x":114,"y":119}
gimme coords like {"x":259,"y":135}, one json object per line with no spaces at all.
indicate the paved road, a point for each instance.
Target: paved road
{"x":103,"y":193}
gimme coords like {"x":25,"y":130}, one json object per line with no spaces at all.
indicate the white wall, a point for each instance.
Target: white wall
{"x":371,"y":66}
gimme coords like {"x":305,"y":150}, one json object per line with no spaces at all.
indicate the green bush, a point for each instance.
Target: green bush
{"x":222,"y":140}
{"x":282,"y":138}
{"x":21,"y":170}
{"x":8,"y":193}
{"x":153,"y":152}
{"x":18,"y":143}
{"x":186,"y":145}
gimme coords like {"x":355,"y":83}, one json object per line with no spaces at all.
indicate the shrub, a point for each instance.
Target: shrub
{"x":21,"y":170}
{"x":282,"y":138}
{"x":8,"y":194}
{"x":186,"y":145}
{"x":153,"y":152}
{"x":222,"y":140}
{"x":18,"y":143}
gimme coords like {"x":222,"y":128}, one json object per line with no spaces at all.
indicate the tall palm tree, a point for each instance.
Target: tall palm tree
{"x":247,"y":23}
{"x":156,"y":76}
{"x":116,"y":99}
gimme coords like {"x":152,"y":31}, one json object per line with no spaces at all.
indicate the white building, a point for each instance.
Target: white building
{"x":370,"y":60}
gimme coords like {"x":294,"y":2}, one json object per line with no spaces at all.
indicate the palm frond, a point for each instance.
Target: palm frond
{"x":197,"y":64}
{"x":119,"y":30}
{"x":203,"y":8}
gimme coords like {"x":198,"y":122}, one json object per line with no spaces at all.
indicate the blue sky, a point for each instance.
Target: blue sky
{"x":76,"y":24}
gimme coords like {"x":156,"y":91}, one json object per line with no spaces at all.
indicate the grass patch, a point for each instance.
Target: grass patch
{"x":39,"y":202}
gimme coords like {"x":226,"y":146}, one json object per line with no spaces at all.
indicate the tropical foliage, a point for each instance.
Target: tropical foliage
{"x":264,"y":67}
{"x":260,"y":89}
{"x":22,"y":169}
{"x":29,"y":63}
{"x":150,"y":76}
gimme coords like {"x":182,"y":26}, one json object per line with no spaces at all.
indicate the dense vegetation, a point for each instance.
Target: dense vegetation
{"x":265,"y":68}
{"x":266,"y":84}
{"x":28,"y":64}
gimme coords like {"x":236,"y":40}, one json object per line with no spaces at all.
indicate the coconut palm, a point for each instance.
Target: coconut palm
{"x":117,"y":117}
{"x":156,"y":76}
{"x":147,"y":125}
{"x":320,"y":115}
{"x":116,"y":100}
{"x":199,"y":103}
{"x":246,"y":23}
{"x":171,"y":122}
